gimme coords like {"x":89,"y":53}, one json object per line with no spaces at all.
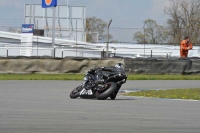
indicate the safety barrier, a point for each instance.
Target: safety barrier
{"x":49,"y":65}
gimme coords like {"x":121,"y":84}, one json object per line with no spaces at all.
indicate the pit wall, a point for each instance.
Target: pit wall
{"x":82,"y":65}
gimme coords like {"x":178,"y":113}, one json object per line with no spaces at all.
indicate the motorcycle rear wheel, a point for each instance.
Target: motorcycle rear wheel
{"x":76,"y":92}
{"x":113,"y":95}
{"x":107,"y":91}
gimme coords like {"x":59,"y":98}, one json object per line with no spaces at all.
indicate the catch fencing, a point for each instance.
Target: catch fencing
{"x":120,"y":43}
{"x":62,"y":52}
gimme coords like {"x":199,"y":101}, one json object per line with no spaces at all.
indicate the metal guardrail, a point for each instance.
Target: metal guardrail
{"x":61,"y":51}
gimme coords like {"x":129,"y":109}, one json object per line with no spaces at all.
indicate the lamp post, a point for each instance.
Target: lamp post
{"x":108,"y":38}
{"x":37,"y":45}
{"x":144,"y":37}
{"x":53,"y":30}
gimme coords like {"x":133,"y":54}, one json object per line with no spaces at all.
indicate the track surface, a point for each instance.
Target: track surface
{"x":45,"y":107}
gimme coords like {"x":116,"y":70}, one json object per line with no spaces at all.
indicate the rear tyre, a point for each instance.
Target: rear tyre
{"x":113,"y":95}
{"x":105,"y":92}
{"x":76,"y":92}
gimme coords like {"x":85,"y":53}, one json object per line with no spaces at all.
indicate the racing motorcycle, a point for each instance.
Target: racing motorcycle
{"x":101,"y":83}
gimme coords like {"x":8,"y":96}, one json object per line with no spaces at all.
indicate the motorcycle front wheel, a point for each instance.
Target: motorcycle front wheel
{"x":76,"y":92}
{"x":108,"y":89}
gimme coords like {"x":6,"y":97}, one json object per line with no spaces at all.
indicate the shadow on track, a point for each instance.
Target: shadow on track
{"x":105,"y":99}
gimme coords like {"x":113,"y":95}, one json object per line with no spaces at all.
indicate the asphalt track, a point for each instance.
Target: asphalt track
{"x":45,"y":107}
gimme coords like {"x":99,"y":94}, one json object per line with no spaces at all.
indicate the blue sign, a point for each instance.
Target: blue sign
{"x":49,"y":3}
{"x":27,"y":28}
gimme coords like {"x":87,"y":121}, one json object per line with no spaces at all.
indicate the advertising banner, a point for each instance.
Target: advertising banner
{"x":26,"y":39}
{"x":49,"y":3}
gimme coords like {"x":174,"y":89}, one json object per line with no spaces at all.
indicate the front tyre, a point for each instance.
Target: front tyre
{"x":76,"y":92}
{"x":108,"y":89}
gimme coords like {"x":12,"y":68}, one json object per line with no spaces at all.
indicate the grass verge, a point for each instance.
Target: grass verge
{"x":164,"y":77}
{"x":41,"y":76}
{"x":191,"y":93}
{"x":80,"y":77}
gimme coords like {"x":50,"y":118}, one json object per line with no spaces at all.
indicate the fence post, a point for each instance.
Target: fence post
{"x":7,"y":52}
{"x":151,"y":53}
{"x":103,"y":53}
{"x":54,"y":52}
{"x":62,"y":53}
{"x":114,"y":51}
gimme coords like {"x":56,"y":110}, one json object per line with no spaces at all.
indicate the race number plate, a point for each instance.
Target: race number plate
{"x":86,"y":92}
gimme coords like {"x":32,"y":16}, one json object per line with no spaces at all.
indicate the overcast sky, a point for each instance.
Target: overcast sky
{"x":124,"y":13}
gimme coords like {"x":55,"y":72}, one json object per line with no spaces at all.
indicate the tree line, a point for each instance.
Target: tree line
{"x":183,"y":20}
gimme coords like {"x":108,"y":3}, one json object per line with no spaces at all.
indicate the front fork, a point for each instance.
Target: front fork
{"x":85,"y":80}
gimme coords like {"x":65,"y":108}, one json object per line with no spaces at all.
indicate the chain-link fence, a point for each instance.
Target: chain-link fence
{"x":115,"y":35}
{"x":132,"y":52}
{"x":10,"y":29}
{"x":120,"y":42}
{"x":49,"y":51}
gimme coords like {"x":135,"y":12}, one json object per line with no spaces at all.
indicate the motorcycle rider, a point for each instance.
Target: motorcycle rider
{"x":115,"y":69}
{"x":101,"y":83}
{"x":110,"y":69}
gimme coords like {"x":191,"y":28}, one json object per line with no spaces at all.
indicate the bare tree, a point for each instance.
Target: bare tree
{"x":184,"y":20}
{"x":96,"y":30}
{"x":152,"y":33}
{"x":139,"y":37}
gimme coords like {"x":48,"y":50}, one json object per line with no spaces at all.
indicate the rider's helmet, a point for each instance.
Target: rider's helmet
{"x":119,"y":65}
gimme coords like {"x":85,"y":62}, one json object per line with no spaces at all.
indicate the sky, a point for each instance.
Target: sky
{"x":124,"y":13}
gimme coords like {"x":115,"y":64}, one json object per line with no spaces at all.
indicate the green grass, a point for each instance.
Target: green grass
{"x":80,"y":77}
{"x":164,"y":77}
{"x":191,"y":93}
{"x":41,"y":76}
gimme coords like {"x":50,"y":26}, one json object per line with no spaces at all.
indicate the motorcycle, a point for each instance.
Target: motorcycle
{"x":101,"y":83}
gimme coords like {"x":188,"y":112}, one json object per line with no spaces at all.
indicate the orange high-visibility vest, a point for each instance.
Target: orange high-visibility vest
{"x":183,"y":48}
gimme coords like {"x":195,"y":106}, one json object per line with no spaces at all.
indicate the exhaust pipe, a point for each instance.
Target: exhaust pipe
{"x":116,"y":77}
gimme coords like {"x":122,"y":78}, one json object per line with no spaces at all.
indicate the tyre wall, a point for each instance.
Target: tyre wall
{"x":82,"y":65}
{"x":163,"y":66}
{"x":53,"y":65}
